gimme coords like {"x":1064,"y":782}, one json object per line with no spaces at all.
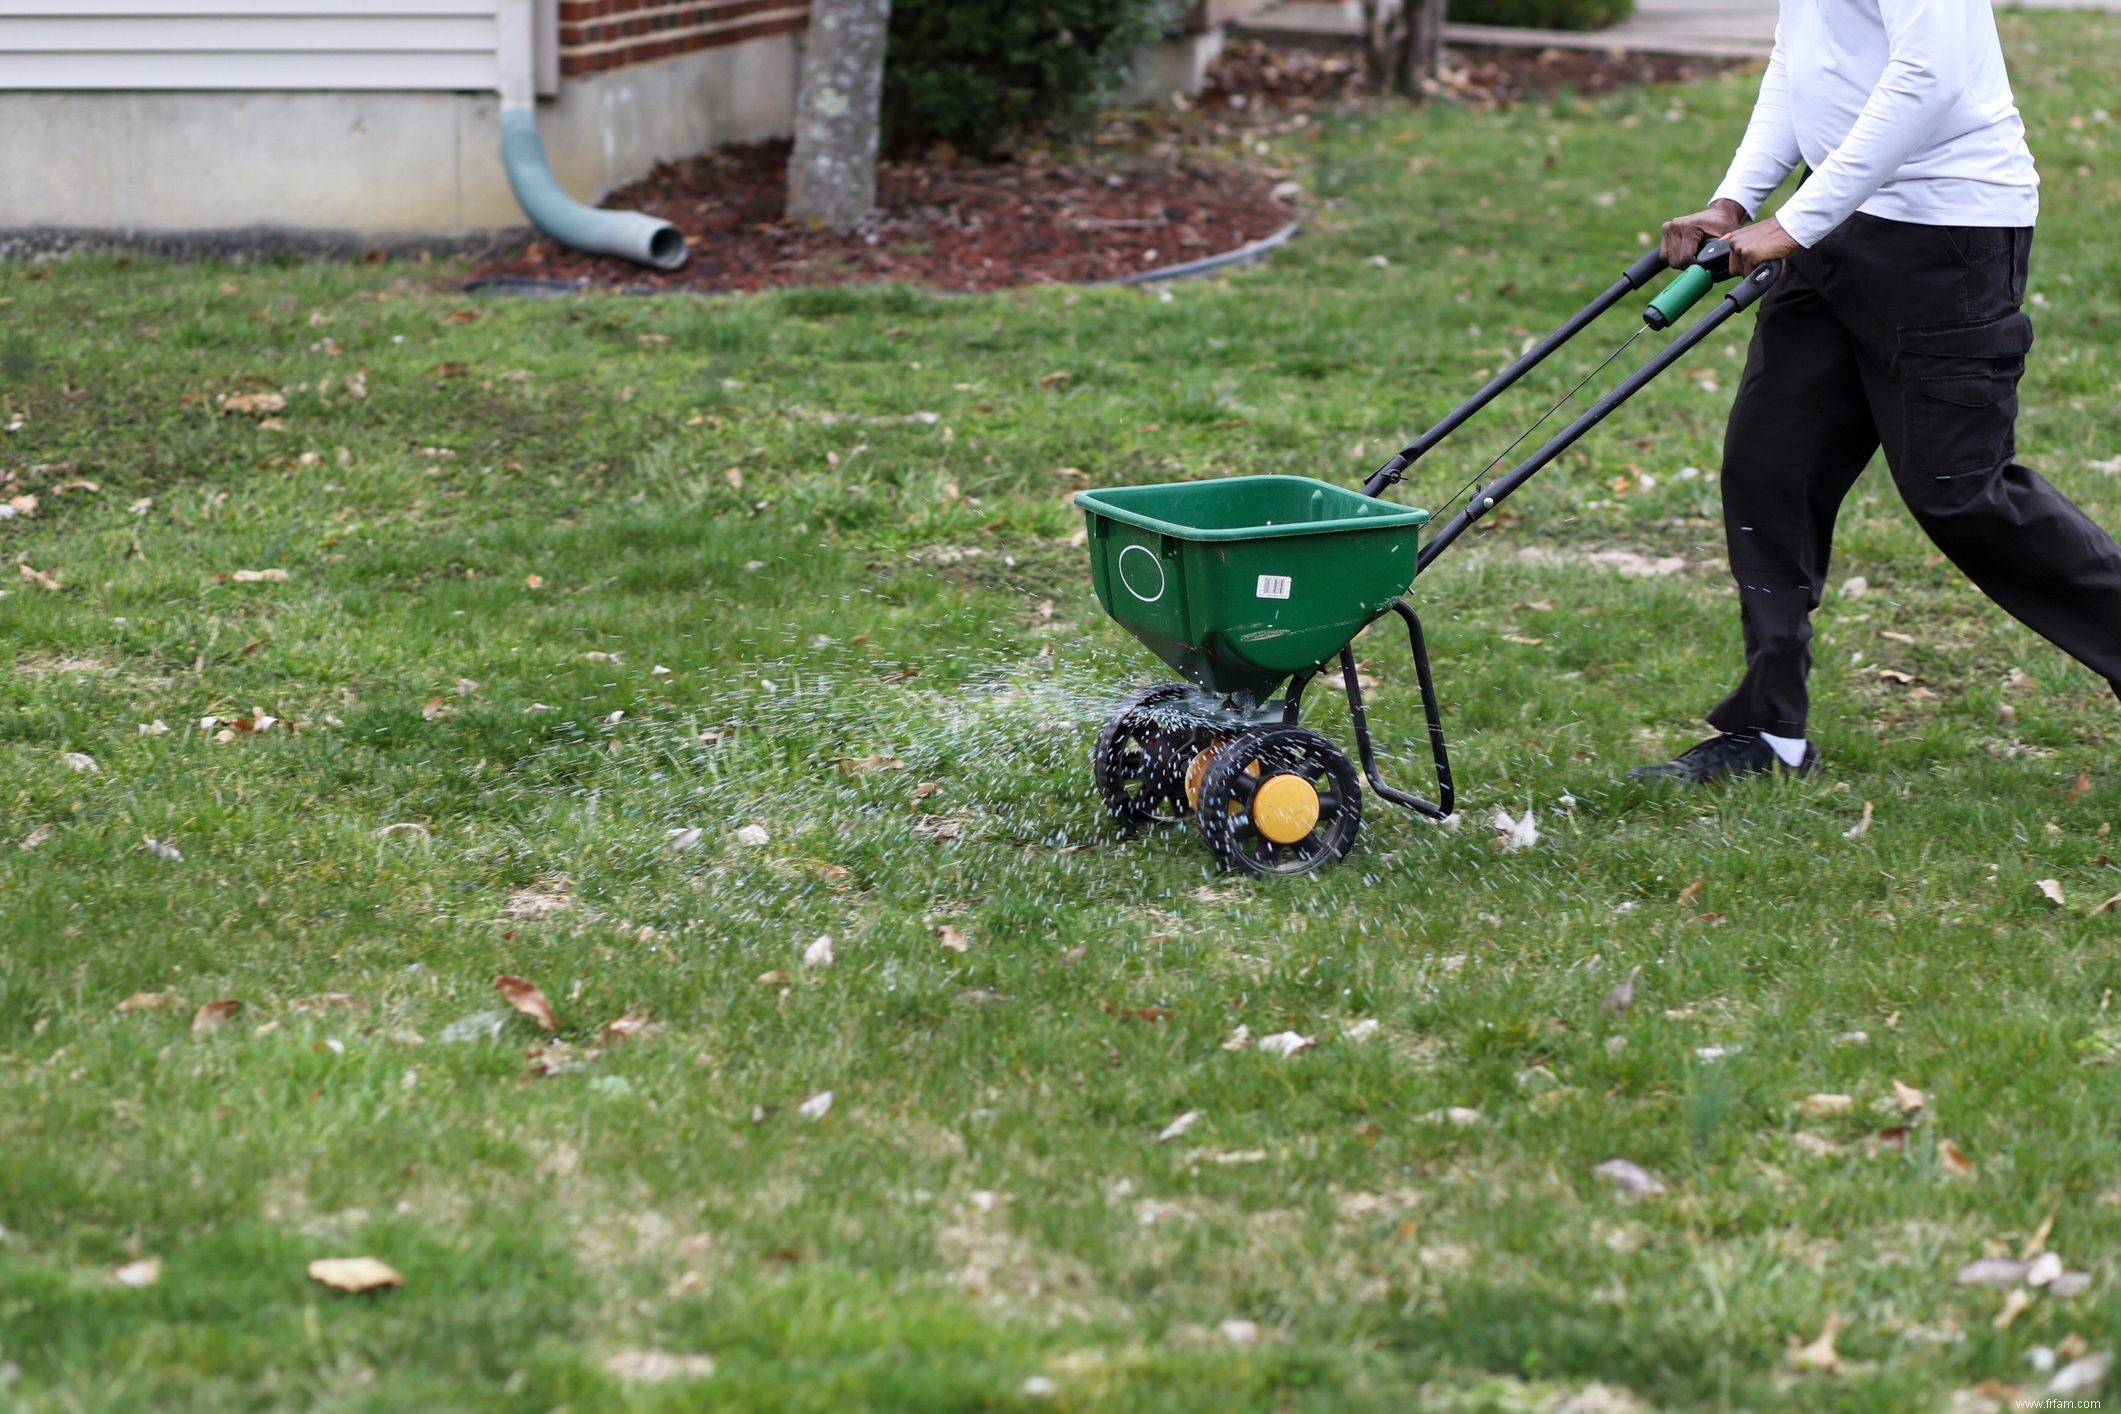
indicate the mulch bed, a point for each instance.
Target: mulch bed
{"x":1155,"y":188}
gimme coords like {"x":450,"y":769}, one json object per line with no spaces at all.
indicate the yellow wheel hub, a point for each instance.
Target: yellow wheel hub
{"x":1285,"y":809}
{"x":1197,"y":772}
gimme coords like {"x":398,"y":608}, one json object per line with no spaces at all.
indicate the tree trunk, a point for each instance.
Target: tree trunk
{"x":1403,"y":40}
{"x":832,"y":172}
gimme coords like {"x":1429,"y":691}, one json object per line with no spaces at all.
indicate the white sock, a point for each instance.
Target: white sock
{"x":1789,"y":750}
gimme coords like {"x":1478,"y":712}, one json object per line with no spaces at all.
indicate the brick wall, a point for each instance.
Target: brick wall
{"x":596,"y":35}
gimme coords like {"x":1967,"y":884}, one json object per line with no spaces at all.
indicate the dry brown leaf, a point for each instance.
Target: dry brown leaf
{"x":43,"y":833}
{"x":633,"y":1023}
{"x":2014,"y":1304}
{"x":1054,"y":379}
{"x":778,"y":977}
{"x":2107,"y":907}
{"x":953,"y":938}
{"x":923,"y":789}
{"x":656,"y":1366}
{"x":38,"y":577}
{"x":525,"y":997}
{"x":863,"y":765}
{"x":1822,"y":1106}
{"x":1819,"y":1354}
{"x":1954,"y":1158}
{"x":207,"y":1019}
{"x":1691,"y":892}
{"x":2052,"y":889}
{"x":1621,"y":999}
{"x":151,"y":1001}
{"x":275,"y":575}
{"x":1862,"y":827}
{"x":2037,"y":1243}
{"x":355,"y":1274}
{"x":252,"y":403}
{"x":1908,"y":1098}
{"x":2084,"y":784}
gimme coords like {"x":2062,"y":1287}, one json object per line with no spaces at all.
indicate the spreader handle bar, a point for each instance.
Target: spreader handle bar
{"x":1639,"y":274}
{"x":1751,"y":288}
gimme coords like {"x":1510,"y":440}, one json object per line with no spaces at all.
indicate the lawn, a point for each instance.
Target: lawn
{"x":629,"y":646}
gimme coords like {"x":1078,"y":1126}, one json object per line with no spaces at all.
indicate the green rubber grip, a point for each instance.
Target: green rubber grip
{"x":1678,"y":297}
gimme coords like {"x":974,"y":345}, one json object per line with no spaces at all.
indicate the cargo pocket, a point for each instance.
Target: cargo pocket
{"x":1959,"y":392}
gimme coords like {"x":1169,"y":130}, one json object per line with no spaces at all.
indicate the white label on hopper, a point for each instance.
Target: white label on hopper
{"x":1273,"y":586}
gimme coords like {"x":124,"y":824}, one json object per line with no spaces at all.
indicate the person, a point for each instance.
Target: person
{"x":1896,"y":322}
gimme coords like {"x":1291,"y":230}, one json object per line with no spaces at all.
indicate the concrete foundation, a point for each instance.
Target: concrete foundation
{"x":322,"y":168}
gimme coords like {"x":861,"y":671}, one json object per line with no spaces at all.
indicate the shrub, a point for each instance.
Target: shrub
{"x":1542,"y":14}
{"x":978,"y":74}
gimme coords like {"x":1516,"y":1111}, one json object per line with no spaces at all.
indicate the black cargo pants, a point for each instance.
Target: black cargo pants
{"x":1909,"y":337}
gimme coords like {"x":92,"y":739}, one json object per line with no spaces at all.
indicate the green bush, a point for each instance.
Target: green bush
{"x":1542,"y":14}
{"x":978,"y":74}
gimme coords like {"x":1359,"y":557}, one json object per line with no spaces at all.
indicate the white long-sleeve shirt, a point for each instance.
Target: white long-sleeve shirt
{"x":1901,"y":108}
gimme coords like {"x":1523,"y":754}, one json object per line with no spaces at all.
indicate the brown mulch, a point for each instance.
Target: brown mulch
{"x":1154,"y":188}
{"x":946,"y":226}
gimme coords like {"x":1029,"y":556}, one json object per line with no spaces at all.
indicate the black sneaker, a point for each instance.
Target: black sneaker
{"x":1726,"y":754}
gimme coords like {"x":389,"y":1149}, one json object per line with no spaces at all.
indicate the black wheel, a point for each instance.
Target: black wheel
{"x":1145,"y":749}
{"x":1280,"y":800}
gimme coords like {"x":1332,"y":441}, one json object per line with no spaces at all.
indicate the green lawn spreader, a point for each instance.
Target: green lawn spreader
{"x":1250,"y":587}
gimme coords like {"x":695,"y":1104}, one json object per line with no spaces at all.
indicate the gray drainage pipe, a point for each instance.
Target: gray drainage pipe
{"x":646,"y":239}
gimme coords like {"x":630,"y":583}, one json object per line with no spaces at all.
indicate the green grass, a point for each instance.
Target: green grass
{"x":987,"y":1199}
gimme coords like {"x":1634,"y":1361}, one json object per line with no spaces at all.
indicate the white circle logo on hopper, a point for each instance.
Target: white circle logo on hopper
{"x":1127,"y":578}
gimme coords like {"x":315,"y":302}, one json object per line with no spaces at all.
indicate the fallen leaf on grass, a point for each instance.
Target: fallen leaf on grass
{"x":38,"y":577}
{"x":268,"y":576}
{"x":1178,"y":1126}
{"x":2044,"y":1269}
{"x":864,"y":765}
{"x":1823,"y":1106}
{"x":2052,"y":889}
{"x":817,"y":1106}
{"x":633,"y":1023}
{"x":819,"y":953}
{"x":1954,"y":1158}
{"x":1630,"y":1178}
{"x":2083,"y":1375}
{"x":355,"y":1274}
{"x":923,"y":789}
{"x":1861,"y":827}
{"x":529,"y":905}
{"x":1515,"y":834}
{"x":1688,"y":894}
{"x":1239,"y":1332}
{"x":777,"y":977}
{"x":43,"y":833}
{"x":656,"y":1366}
{"x":952,"y":938}
{"x":1991,"y":1271}
{"x":329,"y":1001}
{"x":683,"y":838}
{"x":150,"y":1001}
{"x":1819,"y":1353}
{"x":2014,"y":1305}
{"x":1239,"y":1039}
{"x":208,"y":1019}
{"x":1284,"y":1044}
{"x":1621,"y":999}
{"x":403,"y":827}
{"x":525,"y":997}
{"x":2107,"y":907}
{"x":753,"y":836}
{"x":81,"y":761}
{"x":1054,"y":379}
{"x":1363,"y":1030}
{"x":1907,"y":1097}
{"x":145,"y":1272}
{"x":479,"y":1026}
{"x":252,"y":404}
{"x":2083,"y":785}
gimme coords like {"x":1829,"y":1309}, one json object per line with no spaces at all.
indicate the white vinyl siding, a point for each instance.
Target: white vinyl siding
{"x":145,"y":45}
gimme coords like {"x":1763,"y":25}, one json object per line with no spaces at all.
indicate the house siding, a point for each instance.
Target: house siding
{"x":249,"y":45}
